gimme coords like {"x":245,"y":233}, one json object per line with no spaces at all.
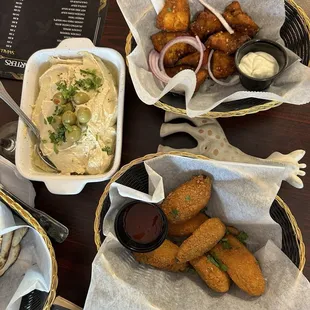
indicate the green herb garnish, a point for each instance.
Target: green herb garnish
{"x":58,"y":110}
{"x":222,"y":266}
{"x":226,"y":245}
{"x":242,"y":237}
{"x":67,"y":92}
{"x":108,"y":150}
{"x":169,"y":10}
{"x":56,"y":149}
{"x":188,"y":198}
{"x":91,"y":82}
{"x":58,"y":136}
{"x":45,"y":122}
{"x":213,"y":261}
{"x":50,"y":119}
{"x":44,"y":141}
{"x":174,"y":212}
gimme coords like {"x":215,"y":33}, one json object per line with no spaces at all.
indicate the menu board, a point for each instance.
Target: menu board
{"x":30,"y":25}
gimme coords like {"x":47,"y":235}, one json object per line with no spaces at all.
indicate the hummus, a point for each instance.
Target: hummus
{"x":93,"y":152}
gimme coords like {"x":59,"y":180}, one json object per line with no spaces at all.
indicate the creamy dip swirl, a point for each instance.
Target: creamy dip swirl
{"x":93,"y":153}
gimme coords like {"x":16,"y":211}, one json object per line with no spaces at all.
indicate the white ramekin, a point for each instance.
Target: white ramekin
{"x":37,"y":63}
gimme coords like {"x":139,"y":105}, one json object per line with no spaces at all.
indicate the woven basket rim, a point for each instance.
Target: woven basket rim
{"x":125,"y":168}
{"x":258,"y":108}
{"x":34,"y":223}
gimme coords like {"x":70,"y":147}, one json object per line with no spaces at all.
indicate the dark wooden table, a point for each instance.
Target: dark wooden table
{"x":283,"y":129}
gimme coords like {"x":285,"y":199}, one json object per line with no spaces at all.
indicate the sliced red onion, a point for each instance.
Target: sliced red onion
{"x":153,"y":63}
{"x":194,"y":42}
{"x":218,"y":15}
{"x":233,"y":81}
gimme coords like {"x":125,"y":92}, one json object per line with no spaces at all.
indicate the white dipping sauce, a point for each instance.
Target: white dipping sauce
{"x":259,"y":65}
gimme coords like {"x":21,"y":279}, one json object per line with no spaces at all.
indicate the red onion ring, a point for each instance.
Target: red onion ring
{"x":194,"y":42}
{"x":153,"y":64}
{"x":233,"y":81}
{"x":218,"y":15}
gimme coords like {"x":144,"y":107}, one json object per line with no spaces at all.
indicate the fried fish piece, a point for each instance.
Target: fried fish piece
{"x":162,"y":258}
{"x":193,"y":59}
{"x":188,"y":199}
{"x":203,"y":239}
{"x":201,"y":75}
{"x":242,"y":266}
{"x":239,"y":20}
{"x":222,"y":65}
{"x":205,"y":24}
{"x":175,"y":16}
{"x":226,"y":42}
{"x":176,"y":51}
{"x":188,"y":227}
{"x":212,"y":275}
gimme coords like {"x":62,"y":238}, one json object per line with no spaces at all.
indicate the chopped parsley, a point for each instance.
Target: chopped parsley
{"x":44,"y":141}
{"x":58,"y":136}
{"x":58,"y":110}
{"x":169,"y":10}
{"x":108,"y":150}
{"x":174,"y":212}
{"x":225,"y":244}
{"x":218,"y":264}
{"x":91,"y":82}
{"x":242,"y":237}
{"x":188,"y":198}
{"x":66,"y":91}
{"x":56,"y":149}
{"x":50,"y":119}
{"x":213,"y":261}
{"x":45,"y":122}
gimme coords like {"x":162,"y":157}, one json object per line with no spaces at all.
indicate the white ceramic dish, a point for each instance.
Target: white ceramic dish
{"x":37,"y":63}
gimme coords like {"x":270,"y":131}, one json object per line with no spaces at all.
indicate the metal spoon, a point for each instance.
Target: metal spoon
{"x":11,"y":103}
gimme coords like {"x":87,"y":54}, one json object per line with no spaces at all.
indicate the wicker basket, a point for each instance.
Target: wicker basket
{"x":296,"y":35}
{"x":33,"y":222}
{"x":135,"y":176}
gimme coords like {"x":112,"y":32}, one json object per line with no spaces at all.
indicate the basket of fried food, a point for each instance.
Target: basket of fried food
{"x":200,"y":241}
{"x":206,"y":42}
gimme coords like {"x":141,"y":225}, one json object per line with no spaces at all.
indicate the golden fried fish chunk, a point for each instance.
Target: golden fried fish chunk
{"x":203,"y":239}
{"x":242,"y":267}
{"x":188,"y":227}
{"x":188,"y":199}
{"x":212,"y":275}
{"x":193,"y":59}
{"x":175,"y":16}
{"x":205,"y":24}
{"x":176,"y":51}
{"x":201,"y":75}
{"x":240,"y":21}
{"x":222,"y":65}
{"x":226,"y":42}
{"x":162,"y":258}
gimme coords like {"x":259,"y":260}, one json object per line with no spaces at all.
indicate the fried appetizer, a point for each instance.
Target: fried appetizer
{"x":5,"y":248}
{"x":188,"y":199}
{"x":222,"y":65}
{"x":242,"y":267}
{"x":186,"y":228}
{"x":193,"y":59}
{"x":226,"y":42}
{"x":175,"y":16}
{"x":240,"y":21}
{"x":162,"y":258}
{"x":202,"y":240}
{"x":205,"y":24}
{"x":212,"y":275}
{"x":176,"y":51}
{"x":201,"y":75}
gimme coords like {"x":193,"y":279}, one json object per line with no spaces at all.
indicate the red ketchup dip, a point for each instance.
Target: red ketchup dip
{"x":143,"y":222}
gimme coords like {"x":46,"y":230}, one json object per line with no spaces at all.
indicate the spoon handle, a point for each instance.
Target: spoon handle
{"x":11,"y":103}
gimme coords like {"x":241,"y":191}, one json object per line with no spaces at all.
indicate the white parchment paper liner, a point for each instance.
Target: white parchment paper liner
{"x":291,"y":87}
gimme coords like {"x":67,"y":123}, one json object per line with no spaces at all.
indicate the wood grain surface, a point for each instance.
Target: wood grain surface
{"x":283,"y":129}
